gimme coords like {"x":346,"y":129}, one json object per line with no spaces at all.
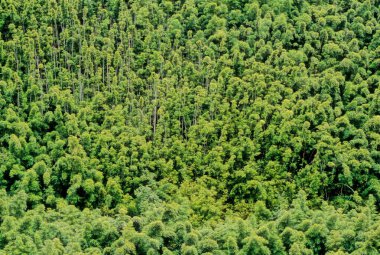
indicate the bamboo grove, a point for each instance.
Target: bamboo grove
{"x":189,"y":127}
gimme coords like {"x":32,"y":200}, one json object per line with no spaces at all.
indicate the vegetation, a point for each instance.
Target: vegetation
{"x":189,"y":127}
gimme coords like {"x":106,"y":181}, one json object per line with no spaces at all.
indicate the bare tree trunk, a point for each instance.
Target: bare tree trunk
{"x":155,"y":110}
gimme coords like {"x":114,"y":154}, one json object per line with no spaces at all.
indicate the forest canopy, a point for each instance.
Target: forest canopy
{"x":189,"y":127}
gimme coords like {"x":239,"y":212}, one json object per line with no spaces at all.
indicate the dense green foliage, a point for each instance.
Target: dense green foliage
{"x":189,"y":127}
{"x":165,"y":228}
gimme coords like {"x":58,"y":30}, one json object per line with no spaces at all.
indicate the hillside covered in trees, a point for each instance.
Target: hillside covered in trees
{"x":189,"y":127}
